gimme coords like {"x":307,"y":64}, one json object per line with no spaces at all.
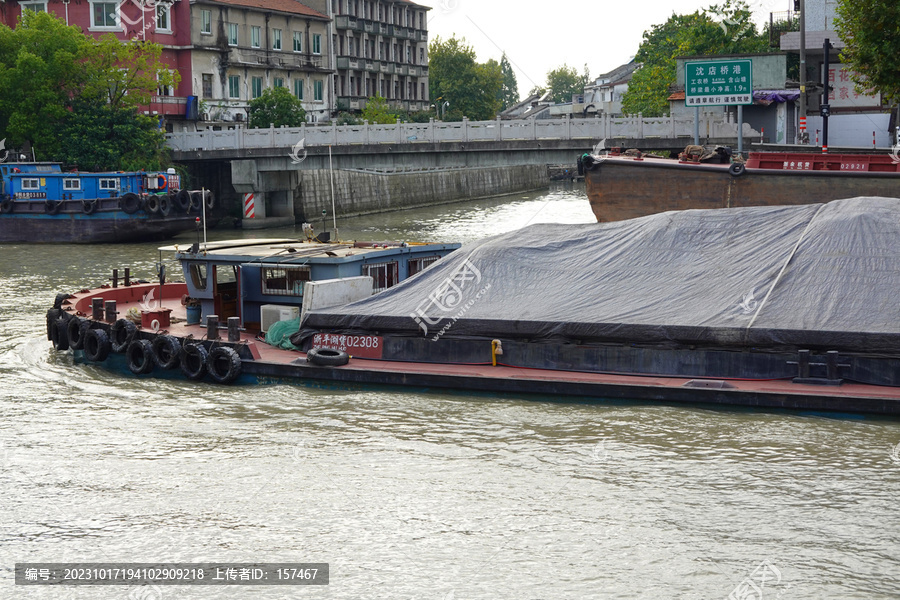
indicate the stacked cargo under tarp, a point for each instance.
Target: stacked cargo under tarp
{"x":763,"y":279}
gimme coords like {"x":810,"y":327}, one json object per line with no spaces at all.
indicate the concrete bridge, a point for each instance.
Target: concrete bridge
{"x":385,"y":167}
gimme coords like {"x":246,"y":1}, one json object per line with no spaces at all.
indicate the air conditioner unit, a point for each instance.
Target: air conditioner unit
{"x":270,"y":314}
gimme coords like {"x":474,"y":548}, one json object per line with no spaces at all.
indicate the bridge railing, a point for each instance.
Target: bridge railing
{"x":595,"y":129}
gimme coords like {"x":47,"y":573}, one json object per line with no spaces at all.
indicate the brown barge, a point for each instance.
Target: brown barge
{"x":624,"y":187}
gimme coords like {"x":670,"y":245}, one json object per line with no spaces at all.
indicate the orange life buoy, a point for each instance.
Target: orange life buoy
{"x":164,"y":183}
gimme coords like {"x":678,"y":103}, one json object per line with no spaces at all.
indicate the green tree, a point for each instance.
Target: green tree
{"x":52,"y":73}
{"x":564,"y":82}
{"x":41,"y":68}
{"x":726,"y":29}
{"x":100,"y":137}
{"x":454,"y":77}
{"x":378,"y":111}
{"x":276,"y":106}
{"x":509,"y":88}
{"x":870,"y":30}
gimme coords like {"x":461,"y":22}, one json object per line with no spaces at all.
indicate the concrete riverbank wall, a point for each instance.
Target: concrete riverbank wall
{"x":359,"y":192}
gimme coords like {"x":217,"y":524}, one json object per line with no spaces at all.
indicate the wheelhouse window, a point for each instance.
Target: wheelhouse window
{"x":105,"y":15}
{"x":417,"y":265}
{"x":109,"y":184}
{"x":384,"y":275}
{"x":31,"y":184}
{"x":197,"y":273}
{"x":71,"y":184}
{"x":284,"y":281}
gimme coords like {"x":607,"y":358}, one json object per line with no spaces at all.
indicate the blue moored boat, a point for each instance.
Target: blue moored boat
{"x":39,"y":202}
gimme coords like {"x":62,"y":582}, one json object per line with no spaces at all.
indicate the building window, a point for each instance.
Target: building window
{"x":298,"y":41}
{"x":276,"y":39}
{"x":104,"y":15}
{"x":384,"y":275}
{"x":317,"y":90}
{"x":205,"y":21}
{"x":109,"y":184}
{"x":163,"y":22}
{"x":254,"y":36}
{"x":278,"y":82}
{"x":71,"y":185}
{"x":256,"y":87}
{"x":30,"y":184}
{"x":207,"y":85}
{"x":317,"y":43}
{"x":298,"y":89}
{"x":234,"y":86}
{"x":284,"y":281}
{"x":35,"y":7}
{"x":232,"y":34}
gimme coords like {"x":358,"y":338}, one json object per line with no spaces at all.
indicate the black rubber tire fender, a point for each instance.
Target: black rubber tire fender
{"x":121,"y":334}
{"x":139,"y":356}
{"x":165,"y":205}
{"x":58,"y":335}
{"x":51,"y":207}
{"x":223,"y":364}
{"x":96,"y":345}
{"x":209,"y":198}
{"x":52,"y":318}
{"x":166,"y":351}
{"x":89,"y":206}
{"x":130,"y":203}
{"x":737,"y":169}
{"x":60,"y":298}
{"x":183,"y":200}
{"x":152,"y":204}
{"x":75,"y":331}
{"x":193,"y":361}
{"x":327,"y":357}
{"x":6,"y":206}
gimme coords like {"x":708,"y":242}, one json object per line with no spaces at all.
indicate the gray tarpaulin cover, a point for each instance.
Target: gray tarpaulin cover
{"x":821,"y":275}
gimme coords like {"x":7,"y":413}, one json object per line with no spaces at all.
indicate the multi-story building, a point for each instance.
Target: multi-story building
{"x":381,"y":48}
{"x":227,"y":52}
{"x":242,"y":47}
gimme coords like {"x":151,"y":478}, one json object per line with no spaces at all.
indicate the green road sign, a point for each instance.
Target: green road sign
{"x":719,"y":82}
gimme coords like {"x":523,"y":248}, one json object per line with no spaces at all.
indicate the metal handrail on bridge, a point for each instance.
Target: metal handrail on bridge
{"x":596,"y":128}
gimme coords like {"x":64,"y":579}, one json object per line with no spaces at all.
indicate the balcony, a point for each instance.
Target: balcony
{"x":167,"y":106}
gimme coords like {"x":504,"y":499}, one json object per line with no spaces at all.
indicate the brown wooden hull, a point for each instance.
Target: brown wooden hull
{"x":620,"y":188}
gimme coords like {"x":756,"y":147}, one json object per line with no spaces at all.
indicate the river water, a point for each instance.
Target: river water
{"x":422,"y":494}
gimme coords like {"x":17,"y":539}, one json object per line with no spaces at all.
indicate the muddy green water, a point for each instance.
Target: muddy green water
{"x":418,"y":494}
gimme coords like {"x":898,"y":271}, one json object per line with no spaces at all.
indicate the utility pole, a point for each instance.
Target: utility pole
{"x":804,"y":135}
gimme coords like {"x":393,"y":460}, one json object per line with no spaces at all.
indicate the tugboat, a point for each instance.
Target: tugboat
{"x":39,"y":202}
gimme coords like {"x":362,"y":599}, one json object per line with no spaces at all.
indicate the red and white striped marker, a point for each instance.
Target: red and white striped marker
{"x":249,"y":206}
{"x":874,"y":145}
